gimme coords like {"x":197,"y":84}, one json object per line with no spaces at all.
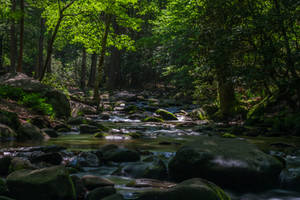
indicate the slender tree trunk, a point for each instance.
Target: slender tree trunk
{"x":226,"y":93}
{"x":1,"y":52}
{"x":92,"y":76}
{"x":83,"y":70}
{"x":13,"y":40}
{"x":39,"y":65}
{"x":101,"y":60}
{"x":114,"y":69}
{"x":47,"y":64}
{"x":20,"y":59}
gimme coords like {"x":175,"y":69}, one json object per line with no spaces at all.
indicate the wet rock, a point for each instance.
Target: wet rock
{"x":91,"y":182}
{"x":152,"y":183}
{"x":232,"y":163}
{"x":61,"y":127}
{"x":193,"y":189}
{"x":114,"y":197}
{"x":40,"y":122}
{"x":166,"y":115}
{"x":99,"y":125}
{"x":28,"y":131}
{"x":5,"y":198}
{"x":19,"y":164}
{"x":79,"y":187}
{"x":290,"y":178}
{"x":6,"y":133}
{"x":154,"y":170}
{"x":88,"y":110}
{"x":152,"y":119}
{"x":87,"y":159}
{"x":47,"y":184}
{"x":51,"y":132}
{"x":121,"y":155}
{"x":104,"y":116}
{"x":198,"y":114}
{"x":51,"y":158}
{"x":88,"y":129}
{"x":77,"y":120}
{"x":4,"y":165}
{"x":101,"y":192}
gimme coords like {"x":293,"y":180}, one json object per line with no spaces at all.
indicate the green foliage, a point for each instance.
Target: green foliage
{"x":37,"y":103}
{"x":11,"y":92}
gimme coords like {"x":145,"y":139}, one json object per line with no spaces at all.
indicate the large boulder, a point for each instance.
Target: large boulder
{"x":52,"y":183}
{"x":121,"y":155}
{"x":232,"y":163}
{"x":10,"y":119}
{"x":92,"y":182}
{"x":193,"y":189}
{"x":6,"y":133}
{"x":28,"y":131}
{"x":58,"y":100}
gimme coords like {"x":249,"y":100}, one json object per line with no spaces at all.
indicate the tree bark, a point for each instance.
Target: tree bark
{"x":114,"y":69}
{"x":39,"y":66}
{"x":101,"y":60}
{"x":20,"y":59}
{"x":13,"y":40}
{"x":83,"y":70}
{"x":226,"y":93}
{"x":92,"y":76}
{"x":1,"y":52}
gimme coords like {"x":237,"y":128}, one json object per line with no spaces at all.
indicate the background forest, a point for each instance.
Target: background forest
{"x":239,"y":59}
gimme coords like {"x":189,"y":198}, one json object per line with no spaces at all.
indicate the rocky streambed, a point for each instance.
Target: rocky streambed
{"x":133,"y":151}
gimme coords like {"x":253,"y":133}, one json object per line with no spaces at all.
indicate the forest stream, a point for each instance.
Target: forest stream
{"x":157,"y":143}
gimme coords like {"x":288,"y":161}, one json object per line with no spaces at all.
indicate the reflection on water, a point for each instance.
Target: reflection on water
{"x":267,"y":195}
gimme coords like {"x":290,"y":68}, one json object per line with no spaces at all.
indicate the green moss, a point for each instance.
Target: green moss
{"x":134,"y":135}
{"x":152,"y":119}
{"x":166,"y":115}
{"x":100,"y":135}
{"x":228,"y":135}
{"x":10,"y":119}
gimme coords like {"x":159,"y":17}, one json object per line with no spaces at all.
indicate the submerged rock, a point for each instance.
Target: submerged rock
{"x":121,"y":155}
{"x":52,"y":183}
{"x":193,"y":189}
{"x":101,"y":192}
{"x":88,"y":129}
{"x":229,"y":162}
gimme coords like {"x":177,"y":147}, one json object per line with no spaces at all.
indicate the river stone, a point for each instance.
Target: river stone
{"x":290,"y":178}
{"x":58,"y":100}
{"x":88,"y":159}
{"x":113,"y":197}
{"x":193,"y":189}
{"x":28,"y":131}
{"x":10,"y":119}
{"x":41,"y":122}
{"x":154,"y":170}
{"x":88,"y":129}
{"x":166,"y":115}
{"x":6,"y":133}
{"x":20,"y":164}
{"x":50,"y":132}
{"x":232,"y":163}
{"x":91,"y":182}
{"x":52,"y":183}
{"x":51,"y":158}
{"x":79,"y":187}
{"x":5,"y":198}
{"x":101,"y":192}
{"x":121,"y":155}
{"x":3,"y":187}
{"x":4,"y":165}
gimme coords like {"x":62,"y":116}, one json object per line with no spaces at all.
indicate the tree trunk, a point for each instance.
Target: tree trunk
{"x":92,"y":76}
{"x":83,"y":70}
{"x":226,"y":94}
{"x":101,"y":61}
{"x":47,"y":64}
{"x":114,"y":70}
{"x":13,"y":40}
{"x":1,"y":53}
{"x":39,"y":66}
{"x":20,"y":59}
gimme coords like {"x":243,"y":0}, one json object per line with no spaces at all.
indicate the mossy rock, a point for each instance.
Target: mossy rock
{"x":228,"y":135}
{"x":47,"y":184}
{"x":166,"y":115}
{"x":131,"y":109}
{"x":198,"y":114}
{"x":6,"y":133}
{"x":100,"y":135}
{"x":192,"y":189}
{"x":134,"y":135}
{"x":10,"y":119}
{"x":152,"y":119}
{"x":5,"y":198}
{"x":29,"y":132}
{"x":3,"y":187}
